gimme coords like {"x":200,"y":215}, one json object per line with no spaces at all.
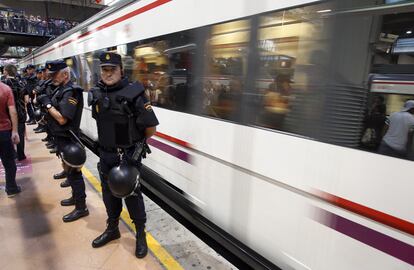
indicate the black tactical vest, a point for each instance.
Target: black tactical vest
{"x":73,"y":125}
{"x":116,"y":116}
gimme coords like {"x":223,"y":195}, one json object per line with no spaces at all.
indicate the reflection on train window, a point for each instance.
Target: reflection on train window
{"x":278,"y":50}
{"x":73,"y":64}
{"x":226,"y":67}
{"x":390,"y":80}
{"x":164,"y":66}
{"x":284,"y":40}
{"x":311,"y":75}
{"x":90,"y":69}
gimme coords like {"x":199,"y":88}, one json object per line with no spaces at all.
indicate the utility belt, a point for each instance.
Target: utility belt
{"x":108,"y":149}
{"x":133,"y":154}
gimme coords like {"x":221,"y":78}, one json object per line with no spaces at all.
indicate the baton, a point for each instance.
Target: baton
{"x":77,"y":138}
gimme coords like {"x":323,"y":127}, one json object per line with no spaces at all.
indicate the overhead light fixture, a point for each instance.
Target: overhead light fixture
{"x":324,"y":10}
{"x":409,"y":32}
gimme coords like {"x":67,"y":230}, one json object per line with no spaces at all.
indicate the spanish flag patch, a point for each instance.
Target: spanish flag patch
{"x":72,"y":101}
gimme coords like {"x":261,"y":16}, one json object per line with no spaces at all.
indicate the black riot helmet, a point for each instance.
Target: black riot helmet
{"x":73,"y":155}
{"x":123,"y":180}
{"x":38,"y":115}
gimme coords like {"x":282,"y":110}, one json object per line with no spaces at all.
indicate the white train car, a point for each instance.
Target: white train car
{"x":261,"y":107}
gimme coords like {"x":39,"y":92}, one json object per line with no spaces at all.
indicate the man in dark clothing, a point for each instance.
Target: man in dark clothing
{"x":31,"y":82}
{"x":113,"y":101}
{"x":65,"y":111}
{"x":39,"y":81}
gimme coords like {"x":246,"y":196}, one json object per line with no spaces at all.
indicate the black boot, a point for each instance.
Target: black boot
{"x":65,"y":184}
{"x":141,"y":248}
{"x":79,"y":211}
{"x":60,"y":175}
{"x":40,"y":130}
{"x":50,"y":145}
{"x":68,"y":202}
{"x":111,"y":233}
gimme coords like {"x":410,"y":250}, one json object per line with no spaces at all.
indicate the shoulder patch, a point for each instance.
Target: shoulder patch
{"x":148,"y":107}
{"x":73,"y":101}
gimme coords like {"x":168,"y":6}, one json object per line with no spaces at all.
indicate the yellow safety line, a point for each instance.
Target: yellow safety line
{"x":163,"y":256}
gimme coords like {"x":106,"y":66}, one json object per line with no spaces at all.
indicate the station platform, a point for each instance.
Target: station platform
{"x":33,"y":235}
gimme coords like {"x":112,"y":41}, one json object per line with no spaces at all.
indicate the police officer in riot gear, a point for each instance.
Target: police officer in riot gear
{"x":124,"y":119}
{"x":65,"y":112}
{"x":31,"y":82}
{"x":39,"y":76}
{"x":45,"y":86}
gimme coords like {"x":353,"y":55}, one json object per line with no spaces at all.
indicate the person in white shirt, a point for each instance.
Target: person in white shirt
{"x":398,"y":138}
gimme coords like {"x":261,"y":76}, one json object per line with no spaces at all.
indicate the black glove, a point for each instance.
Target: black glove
{"x":44,"y":99}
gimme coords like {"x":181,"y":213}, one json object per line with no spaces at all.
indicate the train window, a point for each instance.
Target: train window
{"x":90,"y":70}
{"x":292,"y":51}
{"x":72,"y":62}
{"x":317,"y":65}
{"x":278,"y":41}
{"x":225,"y":68}
{"x":391,"y":85}
{"x":164,"y":66}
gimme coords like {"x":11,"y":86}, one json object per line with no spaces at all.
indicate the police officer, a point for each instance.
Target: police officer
{"x":124,"y":117}
{"x":49,"y":89}
{"x":65,"y":112}
{"x":39,"y":71}
{"x":46,"y":87}
{"x":31,"y":82}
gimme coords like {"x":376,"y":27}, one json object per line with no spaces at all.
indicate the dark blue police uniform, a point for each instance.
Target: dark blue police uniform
{"x":122,"y":113}
{"x":68,"y":100}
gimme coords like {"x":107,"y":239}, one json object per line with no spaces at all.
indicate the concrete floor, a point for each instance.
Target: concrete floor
{"x":33,"y":235}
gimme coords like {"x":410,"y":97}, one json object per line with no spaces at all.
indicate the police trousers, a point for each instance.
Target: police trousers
{"x":74,"y":176}
{"x":113,"y":205}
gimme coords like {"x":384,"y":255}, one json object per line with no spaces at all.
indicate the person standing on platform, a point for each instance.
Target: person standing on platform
{"x":65,"y":111}
{"x":8,"y":136}
{"x":31,"y":82}
{"x":46,"y":87}
{"x":40,"y":128}
{"x":20,"y":98}
{"x":116,"y":102}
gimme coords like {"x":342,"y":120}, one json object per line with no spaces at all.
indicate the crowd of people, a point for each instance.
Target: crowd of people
{"x":34,"y":24}
{"x":47,"y":96}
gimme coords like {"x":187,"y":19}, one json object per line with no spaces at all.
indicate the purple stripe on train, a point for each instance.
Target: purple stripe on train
{"x":370,"y":237}
{"x":184,"y":156}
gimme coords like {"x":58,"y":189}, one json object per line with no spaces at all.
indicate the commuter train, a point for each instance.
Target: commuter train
{"x":261,"y":107}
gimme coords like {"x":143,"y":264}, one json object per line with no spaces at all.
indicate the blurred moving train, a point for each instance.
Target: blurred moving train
{"x":262,"y":107}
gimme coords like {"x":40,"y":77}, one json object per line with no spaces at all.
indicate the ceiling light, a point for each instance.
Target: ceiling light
{"x":324,"y":10}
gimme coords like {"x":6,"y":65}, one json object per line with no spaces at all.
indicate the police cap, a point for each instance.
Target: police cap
{"x":110,"y":59}
{"x":29,"y":66}
{"x":55,"y":66}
